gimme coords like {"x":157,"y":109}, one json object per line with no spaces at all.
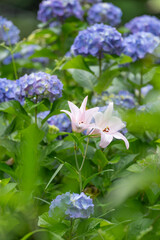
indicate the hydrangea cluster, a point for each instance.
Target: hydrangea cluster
{"x":96,"y":40}
{"x":124,"y":99}
{"x":73,"y":205}
{"x":39,"y":84}
{"x":59,"y":10}
{"x":104,"y":13}
{"x":7,"y":90}
{"x":61,"y":121}
{"x":144,"y":23}
{"x":9,"y":33}
{"x":26,"y":52}
{"x":139,"y":44}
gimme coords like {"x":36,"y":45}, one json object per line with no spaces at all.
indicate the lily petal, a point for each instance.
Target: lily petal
{"x":115,"y":124}
{"x":90,"y":114}
{"x":119,"y":135}
{"x":106,"y":139}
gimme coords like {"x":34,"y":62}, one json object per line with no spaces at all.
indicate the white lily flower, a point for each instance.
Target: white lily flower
{"x":80,"y":117}
{"x":108,"y":127}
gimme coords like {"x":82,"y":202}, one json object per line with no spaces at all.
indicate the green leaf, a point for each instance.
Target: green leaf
{"x":51,"y":224}
{"x":83,"y":78}
{"x":100,"y":159}
{"x":123,"y":59}
{"x":14,"y":108}
{"x":54,"y":175}
{"x":106,"y":79}
{"x":77,"y":62}
{"x":155,"y":207}
{"x":94,"y":175}
{"x":5,"y":168}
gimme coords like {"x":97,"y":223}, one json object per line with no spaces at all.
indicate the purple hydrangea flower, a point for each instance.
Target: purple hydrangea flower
{"x":104,"y":13}
{"x":139,"y":44}
{"x":96,"y":40}
{"x":144,"y":23}
{"x":61,"y":121}
{"x":9,"y":33}
{"x":59,"y":10}
{"x":73,"y":205}
{"x":39,"y":84}
{"x":7,"y":90}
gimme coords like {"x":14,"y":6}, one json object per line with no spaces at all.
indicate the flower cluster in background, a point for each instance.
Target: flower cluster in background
{"x":96,"y":40}
{"x":139,"y":44}
{"x":61,"y":121}
{"x":104,"y":13}
{"x":144,"y":23}
{"x":26,"y":52}
{"x":124,"y":99}
{"x":59,"y":10}
{"x":72,"y":205}
{"x":9,"y":33}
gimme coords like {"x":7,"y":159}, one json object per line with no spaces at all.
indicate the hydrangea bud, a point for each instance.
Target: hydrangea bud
{"x":61,"y":121}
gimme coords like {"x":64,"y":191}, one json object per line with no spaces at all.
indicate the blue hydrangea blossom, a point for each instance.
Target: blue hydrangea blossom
{"x":124,"y":98}
{"x":104,"y":13}
{"x":139,"y":44}
{"x":7,"y":90}
{"x":59,"y":10}
{"x":73,"y":205}
{"x":9,"y":33}
{"x":39,"y":84}
{"x":61,"y":121}
{"x":144,"y":23}
{"x":96,"y":40}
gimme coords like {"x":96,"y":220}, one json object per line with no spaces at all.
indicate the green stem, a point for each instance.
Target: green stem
{"x":75,"y":154}
{"x":71,"y":229}
{"x":36,"y":110}
{"x":13,"y":62}
{"x":14,"y":66}
{"x":100,"y":64}
{"x":141,"y":84}
{"x":84,"y":156}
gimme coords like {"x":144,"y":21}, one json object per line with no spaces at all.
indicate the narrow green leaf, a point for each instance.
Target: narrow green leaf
{"x":54,"y":175}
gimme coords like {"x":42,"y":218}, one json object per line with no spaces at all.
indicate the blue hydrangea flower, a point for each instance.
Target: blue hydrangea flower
{"x":59,"y":10}
{"x":7,"y":90}
{"x":104,"y":13}
{"x":61,"y":121}
{"x":146,"y":89}
{"x":73,"y":205}
{"x":139,"y":44}
{"x":8,"y":59}
{"x":96,"y":40}
{"x":144,"y":23}
{"x":9,"y":33}
{"x":124,"y":99}
{"x":39,"y":84}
